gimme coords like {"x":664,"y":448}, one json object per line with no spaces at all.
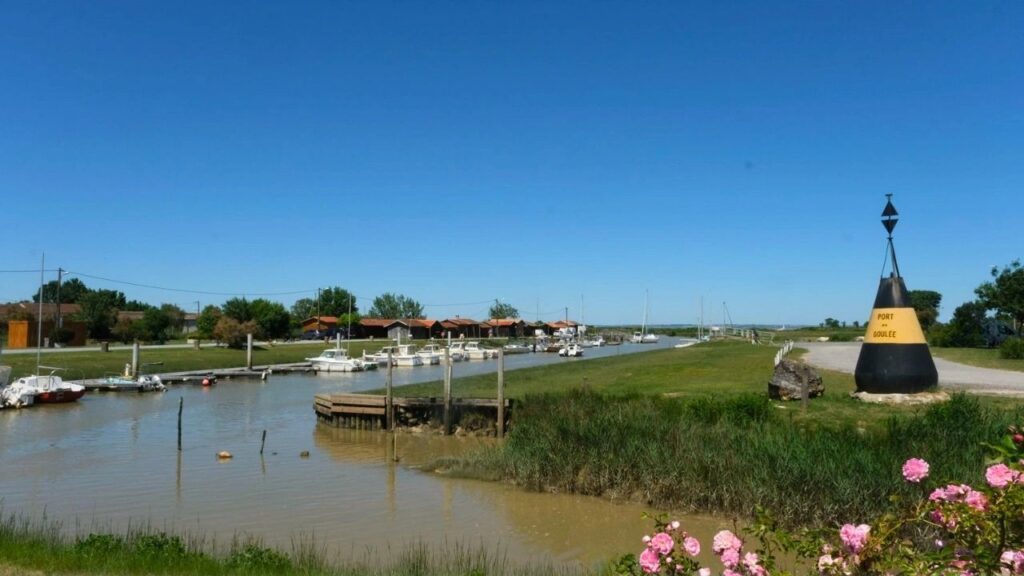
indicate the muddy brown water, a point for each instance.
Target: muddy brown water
{"x":110,"y":461}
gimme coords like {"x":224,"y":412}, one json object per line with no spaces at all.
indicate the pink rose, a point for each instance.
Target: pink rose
{"x":915,"y":470}
{"x":976,"y":500}
{"x":704,"y":572}
{"x":825,"y":561}
{"x":691,"y":545}
{"x":725,"y":540}
{"x":854,"y":537}
{"x":649,"y":562}
{"x":661,"y":543}
{"x":999,"y":475}
{"x":730,"y":557}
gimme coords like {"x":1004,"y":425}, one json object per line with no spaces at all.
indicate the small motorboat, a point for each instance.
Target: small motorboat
{"x":431,"y":353}
{"x":573,"y":350}
{"x":336,"y":360}
{"x":474,"y":351}
{"x":48,"y":389}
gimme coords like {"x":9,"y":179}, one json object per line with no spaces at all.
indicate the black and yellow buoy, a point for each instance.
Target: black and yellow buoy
{"x":895,"y":357}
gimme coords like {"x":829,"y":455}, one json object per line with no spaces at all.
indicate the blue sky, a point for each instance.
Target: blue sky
{"x":536,"y":152}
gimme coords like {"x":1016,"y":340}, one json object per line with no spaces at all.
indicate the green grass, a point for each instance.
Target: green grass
{"x":725,"y":369}
{"x":42,"y":546}
{"x":726,"y":454}
{"x":93,"y":364}
{"x":981,"y":357}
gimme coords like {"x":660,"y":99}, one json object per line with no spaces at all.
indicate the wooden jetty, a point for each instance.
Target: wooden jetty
{"x":386,"y":412}
{"x":370,"y":411}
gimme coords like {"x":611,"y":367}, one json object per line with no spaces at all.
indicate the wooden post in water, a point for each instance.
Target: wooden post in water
{"x":263,"y":442}
{"x":447,"y":391}
{"x":181,"y":405}
{"x":136,"y":347}
{"x":248,"y":351}
{"x":501,"y":393}
{"x":389,"y":406}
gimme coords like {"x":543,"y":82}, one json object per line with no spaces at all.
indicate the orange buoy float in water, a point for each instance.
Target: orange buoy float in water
{"x":206,"y":382}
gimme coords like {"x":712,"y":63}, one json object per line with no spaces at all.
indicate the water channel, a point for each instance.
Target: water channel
{"x":110,"y":461}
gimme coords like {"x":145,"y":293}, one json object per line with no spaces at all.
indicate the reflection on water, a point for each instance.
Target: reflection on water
{"x":112,"y":459}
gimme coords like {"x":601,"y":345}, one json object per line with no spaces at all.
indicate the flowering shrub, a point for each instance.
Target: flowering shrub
{"x":955,"y":529}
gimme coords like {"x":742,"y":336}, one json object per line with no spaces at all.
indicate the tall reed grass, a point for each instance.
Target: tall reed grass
{"x":43,"y":546}
{"x":729,"y":455}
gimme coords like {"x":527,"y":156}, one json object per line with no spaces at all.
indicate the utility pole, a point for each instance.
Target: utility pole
{"x":318,"y":311}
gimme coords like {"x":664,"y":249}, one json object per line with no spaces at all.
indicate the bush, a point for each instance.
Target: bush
{"x":1012,"y":349}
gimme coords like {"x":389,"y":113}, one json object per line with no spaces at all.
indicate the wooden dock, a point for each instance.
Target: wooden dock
{"x":370,"y":411}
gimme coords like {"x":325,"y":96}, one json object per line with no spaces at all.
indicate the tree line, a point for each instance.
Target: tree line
{"x":229,"y":322}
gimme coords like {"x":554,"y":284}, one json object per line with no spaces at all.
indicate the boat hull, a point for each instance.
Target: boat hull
{"x":59,"y":396}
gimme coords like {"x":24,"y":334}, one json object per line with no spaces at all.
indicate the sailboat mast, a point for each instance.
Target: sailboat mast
{"x":39,"y":326}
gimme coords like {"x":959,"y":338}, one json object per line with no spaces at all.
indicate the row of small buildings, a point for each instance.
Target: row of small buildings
{"x":415,"y":328}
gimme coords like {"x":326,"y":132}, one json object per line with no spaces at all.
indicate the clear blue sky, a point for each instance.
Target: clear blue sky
{"x":458,"y":152}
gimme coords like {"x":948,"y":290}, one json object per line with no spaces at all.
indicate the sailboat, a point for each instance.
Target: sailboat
{"x":642,"y":337}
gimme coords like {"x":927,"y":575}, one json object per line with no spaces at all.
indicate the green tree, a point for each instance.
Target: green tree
{"x":336,"y":301}
{"x":232,"y":332}
{"x":176,"y":316}
{"x":124,"y":331}
{"x":98,"y":310}
{"x":271,"y":318}
{"x":926,"y":304}
{"x":303,"y":308}
{"x":502,"y":310}
{"x":135,"y":306}
{"x":207,"y":321}
{"x":153,"y":326}
{"x":238,"y":308}
{"x":390,"y":305}
{"x":1005,"y":293}
{"x":70,"y":291}
{"x":830,"y":323}
{"x":965,"y":329}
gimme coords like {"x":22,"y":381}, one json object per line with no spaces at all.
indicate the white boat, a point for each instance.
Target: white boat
{"x":431,"y":353}
{"x":517,"y":348}
{"x":476,"y":352}
{"x":45,"y":389}
{"x":457,"y":351}
{"x":572,"y":350}
{"x":406,"y":356}
{"x":336,"y":360}
{"x":642,"y":337}
{"x":144,"y":383}
{"x":14,"y":396}
{"x":376,"y":360}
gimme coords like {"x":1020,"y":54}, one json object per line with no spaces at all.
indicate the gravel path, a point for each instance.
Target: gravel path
{"x":842,"y":356}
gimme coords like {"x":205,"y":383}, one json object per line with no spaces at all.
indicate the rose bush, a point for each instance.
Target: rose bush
{"x":954,"y":529}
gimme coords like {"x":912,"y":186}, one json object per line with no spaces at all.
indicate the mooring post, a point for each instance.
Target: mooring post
{"x":389,"y":414}
{"x":195,"y":343}
{"x":501,"y":393}
{"x":136,"y":347}
{"x":248,"y":351}
{"x":263,"y":442}
{"x":447,"y":391}
{"x":181,"y":405}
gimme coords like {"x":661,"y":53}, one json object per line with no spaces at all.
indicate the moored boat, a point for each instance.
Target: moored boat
{"x":48,"y":389}
{"x":336,"y":360}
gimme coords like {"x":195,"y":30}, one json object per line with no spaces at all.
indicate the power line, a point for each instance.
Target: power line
{"x":186,"y":290}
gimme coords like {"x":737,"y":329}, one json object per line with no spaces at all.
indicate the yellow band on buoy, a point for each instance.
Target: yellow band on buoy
{"x":894,"y":326}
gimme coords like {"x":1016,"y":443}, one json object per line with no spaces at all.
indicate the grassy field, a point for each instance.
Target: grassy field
{"x":725,"y":369}
{"x":93,"y":364}
{"x":981,"y":357}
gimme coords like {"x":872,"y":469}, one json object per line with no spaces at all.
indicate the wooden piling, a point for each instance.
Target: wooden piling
{"x":447,"y":391}
{"x":181,"y":405}
{"x":136,"y":348}
{"x":389,"y":406}
{"x":501,"y":393}
{"x":248,"y":351}
{"x":263,"y":442}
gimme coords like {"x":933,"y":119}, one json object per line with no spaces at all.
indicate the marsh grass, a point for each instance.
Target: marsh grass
{"x":42,"y":545}
{"x":726,"y":455}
